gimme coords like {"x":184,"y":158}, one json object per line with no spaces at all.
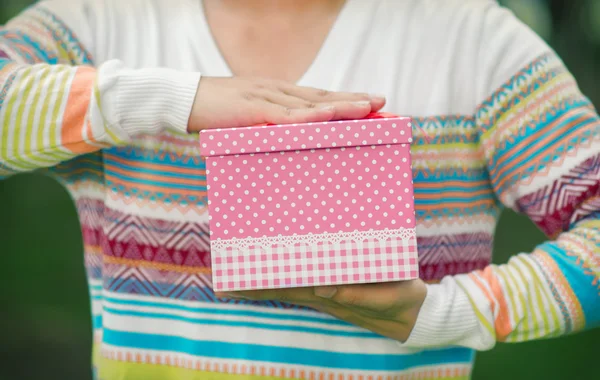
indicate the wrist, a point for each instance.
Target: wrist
{"x":447,"y":318}
{"x":412,"y":314}
{"x":146,"y":101}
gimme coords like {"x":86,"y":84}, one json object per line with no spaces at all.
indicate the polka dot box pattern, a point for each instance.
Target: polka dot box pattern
{"x":311,"y":204}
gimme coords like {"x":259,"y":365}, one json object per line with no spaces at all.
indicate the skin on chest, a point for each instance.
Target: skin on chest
{"x":277,"y":40}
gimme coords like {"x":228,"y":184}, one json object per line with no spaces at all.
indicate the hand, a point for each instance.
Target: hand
{"x":240,"y":102}
{"x":389,"y":309}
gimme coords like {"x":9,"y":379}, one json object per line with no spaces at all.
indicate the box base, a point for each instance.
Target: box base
{"x":314,"y":260}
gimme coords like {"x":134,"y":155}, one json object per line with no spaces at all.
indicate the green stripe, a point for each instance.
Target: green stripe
{"x":22,"y":91}
{"x":8,"y":109}
{"x":44,"y":72}
{"x":565,"y":77}
{"x":44,"y":112}
{"x":549,"y":297}
{"x":110,"y":133}
{"x":20,"y":164}
{"x":55,"y":142}
{"x":526,"y":325}
{"x":56,"y":111}
{"x":482,"y":319}
{"x":536,"y":329}
{"x":510,"y":299}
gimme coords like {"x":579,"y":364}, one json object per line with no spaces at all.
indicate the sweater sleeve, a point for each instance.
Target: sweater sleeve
{"x":56,"y":103}
{"x":540,"y":139}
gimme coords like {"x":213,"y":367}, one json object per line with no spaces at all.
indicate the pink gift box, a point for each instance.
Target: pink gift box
{"x":311,"y":204}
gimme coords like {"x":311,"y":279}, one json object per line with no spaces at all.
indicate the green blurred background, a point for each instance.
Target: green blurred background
{"x":45,"y":329}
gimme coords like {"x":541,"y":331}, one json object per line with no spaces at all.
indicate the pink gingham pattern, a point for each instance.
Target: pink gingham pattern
{"x":314,"y":260}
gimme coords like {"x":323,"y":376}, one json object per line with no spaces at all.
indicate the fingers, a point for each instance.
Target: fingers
{"x":345,"y":110}
{"x":299,"y":111}
{"x":235,"y":102}
{"x":279,"y":114}
{"x":370,"y":296}
{"x":289,"y":101}
{"x":322,"y":96}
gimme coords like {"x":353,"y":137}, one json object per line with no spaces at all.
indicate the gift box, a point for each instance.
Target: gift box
{"x":311,"y":204}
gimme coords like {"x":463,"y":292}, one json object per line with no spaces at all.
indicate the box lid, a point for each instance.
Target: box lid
{"x":374,"y":129}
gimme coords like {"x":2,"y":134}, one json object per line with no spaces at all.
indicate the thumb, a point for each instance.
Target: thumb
{"x":364,"y":295}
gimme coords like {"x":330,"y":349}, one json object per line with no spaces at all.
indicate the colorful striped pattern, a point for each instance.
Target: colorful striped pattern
{"x":540,"y":139}
{"x":531,"y":146}
{"x":49,"y":110}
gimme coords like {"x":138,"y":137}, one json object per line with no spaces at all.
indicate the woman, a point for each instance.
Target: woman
{"x":107,"y":95}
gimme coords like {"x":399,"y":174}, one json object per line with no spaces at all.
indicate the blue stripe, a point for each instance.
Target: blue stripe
{"x":163,"y":172}
{"x":247,"y":324}
{"x":97,"y":322}
{"x":164,"y":158}
{"x":464,"y":212}
{"x":230,"y":312}
{"x":151,"y":182}
{"x":21,"y":42}
{"x":4,"y":62}
{"x":87,"y":167}
{"x":287,"y":355}
{"x":74,"y":46}
{"x":466,"y":199}
{"x":537,"y":67}
{"x":580,"y":282}
{"x":540,"y":129}
{"x":451,"y":174}
{"x":466,"y":189}
{"x":526,"y":155}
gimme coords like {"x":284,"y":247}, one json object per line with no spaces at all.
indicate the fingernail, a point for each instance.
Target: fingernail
{"x":377,"y":96}
{"x":326,"y":292}
{"x":328,"y":108}
{"x":362,"y":103}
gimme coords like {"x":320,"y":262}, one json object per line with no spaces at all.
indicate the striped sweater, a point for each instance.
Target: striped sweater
{"x":507,"y":127}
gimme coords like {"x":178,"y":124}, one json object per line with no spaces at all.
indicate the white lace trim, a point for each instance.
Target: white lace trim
{"x":266,"y":242}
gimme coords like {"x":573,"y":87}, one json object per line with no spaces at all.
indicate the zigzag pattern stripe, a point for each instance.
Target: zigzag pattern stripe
{"x":553,"y":208}
{"x":434,"y":272}
{"x":191,"y":256}
{"x":155,"y":232}
{"x":459,"y":248}
{"x":587,"y":209}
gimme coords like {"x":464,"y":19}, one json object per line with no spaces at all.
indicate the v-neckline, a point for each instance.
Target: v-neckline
{"x":331,"y":50}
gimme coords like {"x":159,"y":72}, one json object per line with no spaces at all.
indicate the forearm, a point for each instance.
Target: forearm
{"x":550,"y":292}
{"x":55,"y":105}
{"x":544,"y":162}
{"x":51,"y":113}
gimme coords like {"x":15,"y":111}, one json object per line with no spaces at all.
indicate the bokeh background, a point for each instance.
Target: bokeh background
{"x":45,"y":328}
